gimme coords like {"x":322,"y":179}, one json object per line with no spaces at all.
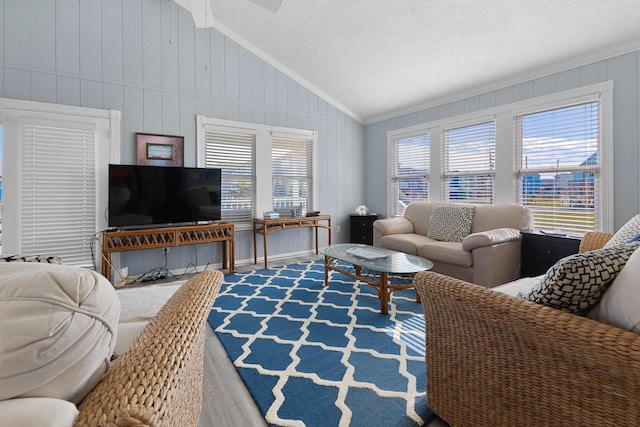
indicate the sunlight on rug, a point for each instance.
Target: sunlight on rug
{"x":312,"y":355}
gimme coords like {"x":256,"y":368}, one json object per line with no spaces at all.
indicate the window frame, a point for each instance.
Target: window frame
{"x":263,"y":188}
{"x":478,"y":173}
{"x":504,"y":116}
{"x":250,"y":143}
{"x":520,"y":170}
{"x":396,"y":177}
{"x":291,"y":177}
{"x":106,"y":126}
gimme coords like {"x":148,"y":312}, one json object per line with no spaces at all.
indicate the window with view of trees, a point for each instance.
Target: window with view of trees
{"x":558,"y":166}
{"x":410,"y":176}
{"x":468,"y":163}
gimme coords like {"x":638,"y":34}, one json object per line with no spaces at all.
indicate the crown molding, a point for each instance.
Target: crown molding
{"x":200,"y":10}
{"x":542,"y":71}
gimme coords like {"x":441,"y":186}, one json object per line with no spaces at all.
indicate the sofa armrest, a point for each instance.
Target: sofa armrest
{"x":594,"y":240}
{"x":397,"y":225}
{"x":158,"y":380}
{"x":514,"y":362}
{"x":387,"y":226}
{"x":490,"y":237}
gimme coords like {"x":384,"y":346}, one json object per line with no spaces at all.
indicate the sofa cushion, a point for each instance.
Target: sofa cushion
{"x":57,"y":329}
{"x":407,"y":243}
{"x":446,"y":252}
{"x":37,"y":412}
{"x":450,"y":223}
{"x":620,"y":305}
{"x":138,"y":305}
{"x":576,"y":283}
{"x":141,"y":304}
{"x":520,"y":286}
{"x":127,"y":333}
{"x":417,"y":213}
{"x":501,"y":215}
{"x":625,"y":233}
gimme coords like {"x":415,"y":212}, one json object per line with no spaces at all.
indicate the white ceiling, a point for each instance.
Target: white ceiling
{"x":377,"y":58}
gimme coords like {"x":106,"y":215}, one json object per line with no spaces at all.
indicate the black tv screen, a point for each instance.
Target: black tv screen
{"x":162,"y":195}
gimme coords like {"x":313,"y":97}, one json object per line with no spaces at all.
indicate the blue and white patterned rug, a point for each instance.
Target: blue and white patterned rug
{"x":323,"y":356}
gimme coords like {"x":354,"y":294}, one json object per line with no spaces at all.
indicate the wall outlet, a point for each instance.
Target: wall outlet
{"x":338,"y":228}
{"x":165,"y":250}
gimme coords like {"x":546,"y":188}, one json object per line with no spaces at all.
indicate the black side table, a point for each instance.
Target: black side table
{"x":361,"y":228}
{"x":540,"y":251}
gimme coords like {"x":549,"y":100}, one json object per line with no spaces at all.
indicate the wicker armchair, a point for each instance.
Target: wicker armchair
{"x":495,"y":360}
{"x":158,"y":380}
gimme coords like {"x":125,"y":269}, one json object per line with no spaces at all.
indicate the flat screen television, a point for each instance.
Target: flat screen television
{"x":146,"y":196}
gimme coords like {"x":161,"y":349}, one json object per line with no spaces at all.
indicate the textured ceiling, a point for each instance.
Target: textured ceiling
{"x":377,"y":58}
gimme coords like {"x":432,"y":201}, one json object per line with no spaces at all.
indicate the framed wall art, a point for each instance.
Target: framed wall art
{"x":159,"y":150}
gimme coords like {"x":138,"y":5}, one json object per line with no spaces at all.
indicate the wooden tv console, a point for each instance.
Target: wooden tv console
{"x":150,"y":238}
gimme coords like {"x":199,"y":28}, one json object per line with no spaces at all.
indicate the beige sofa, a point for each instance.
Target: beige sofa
{"x":488,"y":254}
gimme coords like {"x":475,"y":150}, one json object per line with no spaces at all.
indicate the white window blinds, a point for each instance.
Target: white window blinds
{"x":468,"y":163}
{"x":292,"y":172}
{"x":58,"y":191}
{"x":234,"y":154}
{"x":558,"y":167}
{"x":410,"y":175}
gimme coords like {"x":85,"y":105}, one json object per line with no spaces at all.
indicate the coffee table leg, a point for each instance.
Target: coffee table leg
{"x":384,"y":294}
{"x":326,"y":271}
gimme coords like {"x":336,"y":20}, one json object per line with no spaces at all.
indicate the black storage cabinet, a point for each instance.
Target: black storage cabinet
{"x":361,"y":228}
{"x":540,"y":251}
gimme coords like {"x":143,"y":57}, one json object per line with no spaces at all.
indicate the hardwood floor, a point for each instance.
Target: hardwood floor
{"x":226,"y":402}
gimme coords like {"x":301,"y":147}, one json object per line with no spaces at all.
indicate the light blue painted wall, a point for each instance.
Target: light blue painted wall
{"x":146,"y":59}
{"x":624,"y":70}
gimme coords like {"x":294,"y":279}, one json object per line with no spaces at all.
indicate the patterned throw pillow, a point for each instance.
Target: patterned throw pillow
{"x":625,"y":233}
{"x":450,"y":223}
{"x":577,"y":282}
{"x":31,"y":258}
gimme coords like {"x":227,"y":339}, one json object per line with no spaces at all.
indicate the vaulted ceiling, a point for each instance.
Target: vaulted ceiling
{"x":377,"y":58}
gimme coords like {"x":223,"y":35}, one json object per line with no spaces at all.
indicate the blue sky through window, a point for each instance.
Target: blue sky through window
{"x":563,"y":137}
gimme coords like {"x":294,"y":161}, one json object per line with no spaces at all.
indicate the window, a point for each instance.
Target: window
{"x":58,"y":190}
{"x":55,"y":175}
{"x":468,"y":163}
{"x":292,"y":171}
{"x":410,"y":171}
{"x":264,"y":167}
{"x":559,"y":167}
{"x":234,"y":154}
{"x":552,"y":153}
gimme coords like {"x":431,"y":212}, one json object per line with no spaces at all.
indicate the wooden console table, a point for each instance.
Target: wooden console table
{"x":149,"y":238}
{"x":270,"y":226}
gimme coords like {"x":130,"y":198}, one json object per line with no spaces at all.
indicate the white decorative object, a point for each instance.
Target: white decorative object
{"x":361,"y":210}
